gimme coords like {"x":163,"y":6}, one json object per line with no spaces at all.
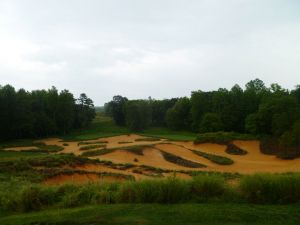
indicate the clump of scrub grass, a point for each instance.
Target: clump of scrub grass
{"x":169,"y":190}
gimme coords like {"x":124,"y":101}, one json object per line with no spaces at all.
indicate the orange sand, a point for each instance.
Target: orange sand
{"x":22,"y":148}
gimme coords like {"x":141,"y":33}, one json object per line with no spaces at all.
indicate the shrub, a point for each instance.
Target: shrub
{"x":221,"y":137}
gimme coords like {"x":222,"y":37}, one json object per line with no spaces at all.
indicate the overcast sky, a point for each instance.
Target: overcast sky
{"x":141,"y":48}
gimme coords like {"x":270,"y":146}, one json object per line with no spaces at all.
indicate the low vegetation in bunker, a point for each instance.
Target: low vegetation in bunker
{"x":221,"y":160}
{"x":90,"y":147}
{"x":232,"y":149}
{"x":181,"y":161}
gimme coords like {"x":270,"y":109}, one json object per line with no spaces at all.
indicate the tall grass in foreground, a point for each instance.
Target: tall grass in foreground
{"x":259,"y":188}
{"x":271,"y":188}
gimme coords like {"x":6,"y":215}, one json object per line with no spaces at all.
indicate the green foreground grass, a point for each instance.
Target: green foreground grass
{"x":177,"y":214}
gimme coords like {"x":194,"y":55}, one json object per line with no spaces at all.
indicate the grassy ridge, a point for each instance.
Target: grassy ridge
{"x":222,"y":137}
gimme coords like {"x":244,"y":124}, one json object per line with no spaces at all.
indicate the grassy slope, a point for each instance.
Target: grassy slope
{"x":103,"y":126}
{"x":155,"y":214}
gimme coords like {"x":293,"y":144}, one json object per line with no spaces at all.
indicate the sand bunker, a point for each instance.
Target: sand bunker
{"x":253,"y":162}
{"x":22,"y":148}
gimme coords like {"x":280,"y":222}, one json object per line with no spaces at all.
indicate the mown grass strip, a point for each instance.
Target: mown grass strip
{"x":157,"y":214}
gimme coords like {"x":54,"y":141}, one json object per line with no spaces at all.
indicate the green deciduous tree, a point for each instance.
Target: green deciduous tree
{"x":178,"y":117}
{"x":138,"y":114}
{"x":211,"y":122}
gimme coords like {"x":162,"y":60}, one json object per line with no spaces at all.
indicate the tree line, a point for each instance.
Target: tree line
{"x":256,"y":109}
{"x":41,"y":113}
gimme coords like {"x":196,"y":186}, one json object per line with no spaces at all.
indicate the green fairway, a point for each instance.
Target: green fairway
{"x":162,"y":132}
{"x":154,"y":214}
{"x":103,"y":126}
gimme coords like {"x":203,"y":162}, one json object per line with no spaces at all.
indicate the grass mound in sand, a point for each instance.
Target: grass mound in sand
{"x":180,"y":161}
{"x":148,"y":139}
{"x":90,"y":147}
{"x":232,"y":149}
{"x":91,"y":142}
{"x":32,"y":147}
{"x":135,"y":149}
{"x":221,"y":160}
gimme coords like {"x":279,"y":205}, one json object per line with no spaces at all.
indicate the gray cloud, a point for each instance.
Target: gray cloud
{"x":158,"y":48}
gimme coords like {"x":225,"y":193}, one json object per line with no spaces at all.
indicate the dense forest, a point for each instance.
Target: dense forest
{"x":41,"y":113}
{"x":272,"y":112}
